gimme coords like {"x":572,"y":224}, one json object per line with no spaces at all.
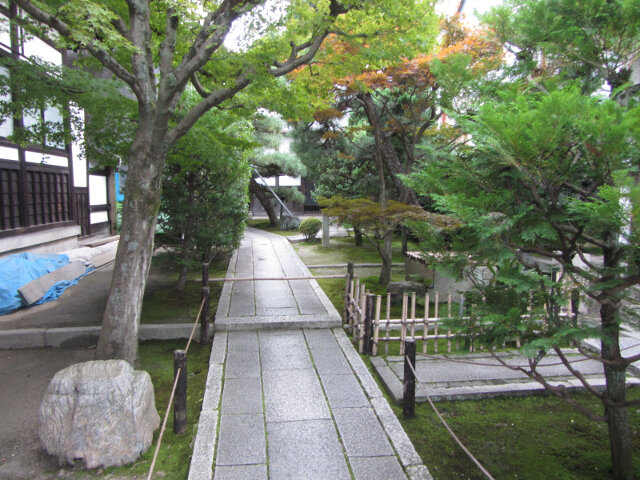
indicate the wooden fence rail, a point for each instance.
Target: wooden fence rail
{"x":430,"y":326}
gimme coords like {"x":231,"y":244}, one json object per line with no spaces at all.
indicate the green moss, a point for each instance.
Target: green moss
{"x":164,"y":304}
{"x":527,"y":438}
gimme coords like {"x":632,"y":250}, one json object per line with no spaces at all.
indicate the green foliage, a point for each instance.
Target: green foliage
{"x":204,"y":202}
{"x":543,"y":179}
{"x":37,"y":86}
{"x":310,"y":228}
{"x":591,"y":41}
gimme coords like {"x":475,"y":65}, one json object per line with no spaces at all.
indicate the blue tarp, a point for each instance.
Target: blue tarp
{"x":19,"y":269}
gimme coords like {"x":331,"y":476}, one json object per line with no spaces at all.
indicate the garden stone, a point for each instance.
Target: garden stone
{"x":407,"y":287}
{"x":287,"y":222}
{"x":99,"y":413}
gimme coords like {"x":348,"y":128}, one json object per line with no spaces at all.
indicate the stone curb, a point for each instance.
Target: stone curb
{"x":68,"y":337}
{"x":201,"y":467}
{"x":409,"y":458}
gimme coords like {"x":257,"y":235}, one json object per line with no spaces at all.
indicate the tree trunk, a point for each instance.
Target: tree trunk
{"x":265,"y":200}
{"x":617,"y":417}
{"x":182,"y":278}
{"x":357,"y":235}
{"x":119,"y":333}
{"x":385,"y":153}
{"x":386,"y":254}
{"x":405,"y":240}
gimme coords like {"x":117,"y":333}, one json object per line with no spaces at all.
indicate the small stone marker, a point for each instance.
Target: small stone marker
{"x":100,"y":413}
{"x":400,"y":288}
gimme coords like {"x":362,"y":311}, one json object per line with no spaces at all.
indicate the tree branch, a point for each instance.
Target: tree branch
{"x":63,"y":29}
{"x":210,"y":37}
{"x":558,"y":390}
{"x":294,"y":61}
{"x":168,"y":45}
{"x":198,"y":86}
{"x":212,"y":100}
{"x":577,"y":374}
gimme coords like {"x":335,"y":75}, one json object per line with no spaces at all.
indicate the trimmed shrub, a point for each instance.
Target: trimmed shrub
{"x":310,"y":227}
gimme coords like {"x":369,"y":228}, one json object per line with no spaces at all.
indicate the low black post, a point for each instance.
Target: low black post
{"x":180,"y":399}
{"x":204,"y":316}
{"x":369,"y":313}
{"x":409,"y":382}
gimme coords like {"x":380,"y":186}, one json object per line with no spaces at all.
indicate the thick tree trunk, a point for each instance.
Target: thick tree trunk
{"x":386,"y":254}
{"x":617,"y":417}
{"x":265,"y":200}
{"x":357,"y":235}
{"x":182,"y":278}
{"x":614,"y":371}
{"x":119,"y":334}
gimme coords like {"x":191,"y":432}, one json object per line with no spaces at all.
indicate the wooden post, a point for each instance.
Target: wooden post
{"x":460,"y":314}
{"x":348,"y":293}
{"x":449,"y":322}
{"x":425,"y":332}
{"x":435,"y":325}
{"x":180,"y":399}
{"x":369,"y":315}
{"x":376,"y":326}
{"x":403,"y":322}
{"x":386,"y":345}
{"x":204,"y":316}
{"x":413,"y":314}
{"x":409,"y":380}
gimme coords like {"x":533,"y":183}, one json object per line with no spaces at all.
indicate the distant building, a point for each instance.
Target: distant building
{"x":48,"y":198}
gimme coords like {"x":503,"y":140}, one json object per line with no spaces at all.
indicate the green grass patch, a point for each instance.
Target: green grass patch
{"x":265,"y":224}
{"x":175,"y":453}
{"x":344,"y":249}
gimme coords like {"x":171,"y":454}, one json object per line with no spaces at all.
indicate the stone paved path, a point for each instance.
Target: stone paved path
{"x":271,"y":303}
{"x":287,"y":398}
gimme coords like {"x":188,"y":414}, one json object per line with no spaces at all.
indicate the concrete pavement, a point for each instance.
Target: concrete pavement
{"x":288,"y":397}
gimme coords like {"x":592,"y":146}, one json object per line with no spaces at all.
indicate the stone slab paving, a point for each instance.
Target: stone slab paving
{"x":451,"y":377}
{"x":302,"y":419}
{"x":271,"y":304}
{"x":295,"y":403}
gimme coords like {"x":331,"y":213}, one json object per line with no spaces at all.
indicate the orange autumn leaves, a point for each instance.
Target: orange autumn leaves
{"x":483,"y":49}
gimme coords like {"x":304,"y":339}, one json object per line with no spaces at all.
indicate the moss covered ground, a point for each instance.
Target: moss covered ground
{"x":164,"y":304}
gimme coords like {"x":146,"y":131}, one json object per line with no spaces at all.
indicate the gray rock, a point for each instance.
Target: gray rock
{"x":288,"y":222}
{"x":101,"y":413}
{"x":406,"y":287}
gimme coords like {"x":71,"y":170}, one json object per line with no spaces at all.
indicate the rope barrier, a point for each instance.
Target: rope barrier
{"x":446,"y":425}
{"x":252,"y":279}
{"x":164,"y":425}
{"x":173,"y":392}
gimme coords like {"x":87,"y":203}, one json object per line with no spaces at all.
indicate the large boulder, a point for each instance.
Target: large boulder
{"x":99,"y":413}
